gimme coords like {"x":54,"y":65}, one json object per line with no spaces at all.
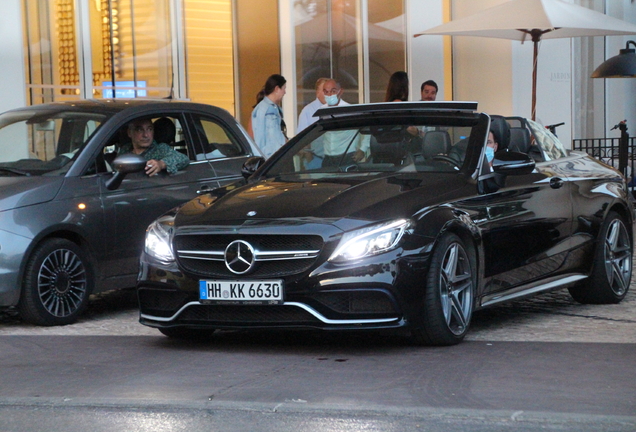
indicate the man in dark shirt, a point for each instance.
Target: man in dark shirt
{"x":160,"y":156}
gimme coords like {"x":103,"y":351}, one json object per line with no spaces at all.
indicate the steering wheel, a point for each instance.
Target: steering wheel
{"x":447,"y":159}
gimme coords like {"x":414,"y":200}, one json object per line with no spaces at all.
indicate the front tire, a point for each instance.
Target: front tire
{"x":449,"y":293}
{"x":612,"y":266}
{"x":57,"y":284}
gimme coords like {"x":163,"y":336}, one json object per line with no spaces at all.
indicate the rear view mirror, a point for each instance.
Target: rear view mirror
{"x":125,"y":164}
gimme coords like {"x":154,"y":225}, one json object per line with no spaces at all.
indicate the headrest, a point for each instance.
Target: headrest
{"x":519,"y":139}
{"x":165,"y":130}
{"x":501,"y":130}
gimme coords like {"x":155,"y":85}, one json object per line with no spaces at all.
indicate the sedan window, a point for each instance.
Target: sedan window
{"x":216,"y":141}
{"x":36,"y":144}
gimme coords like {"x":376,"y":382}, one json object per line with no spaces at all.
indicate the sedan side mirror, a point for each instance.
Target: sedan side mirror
{"x":125,"y":164}
{"x":251,"y":165}
{"x":512,"y":163}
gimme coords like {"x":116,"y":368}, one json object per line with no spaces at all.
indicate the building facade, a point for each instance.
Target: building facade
{"x":221,"y":52}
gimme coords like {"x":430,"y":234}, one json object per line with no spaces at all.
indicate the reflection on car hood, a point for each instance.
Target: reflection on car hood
{"x":369,"y":198}
{"x":24,"y":191}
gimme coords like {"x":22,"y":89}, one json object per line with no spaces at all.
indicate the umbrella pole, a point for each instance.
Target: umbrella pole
{"x":534,"y":78}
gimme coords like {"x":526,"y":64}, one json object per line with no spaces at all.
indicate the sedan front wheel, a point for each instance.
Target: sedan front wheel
{"x":57,"y":284}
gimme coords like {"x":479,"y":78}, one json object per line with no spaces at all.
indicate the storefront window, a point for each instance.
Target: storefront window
{"x":327,"y":37}
{"x":52,"y":51}
{"x":387,"y":44}
{"x":131,"y":40}
{"x":329,"y":43}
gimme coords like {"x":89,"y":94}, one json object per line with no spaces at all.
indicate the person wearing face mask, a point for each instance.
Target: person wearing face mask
{"x":306,"y":116}
{"x":341,"y":147}
{"x":491,"y":147}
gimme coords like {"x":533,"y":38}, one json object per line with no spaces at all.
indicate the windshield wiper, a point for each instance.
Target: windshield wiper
{"x":15,"y":171}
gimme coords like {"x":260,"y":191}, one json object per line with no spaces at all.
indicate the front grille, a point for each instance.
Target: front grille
{"x":270,"y":243}
{"x":357,"y":302}
{"x":245,"y":315}
{"x":212,"y":247}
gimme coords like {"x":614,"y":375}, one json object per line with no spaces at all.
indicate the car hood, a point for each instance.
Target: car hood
{"x":370,"y":197}
{"x":25,"y":191}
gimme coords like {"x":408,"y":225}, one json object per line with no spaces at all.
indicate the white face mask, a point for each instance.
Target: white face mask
{"x":490,"y":153}
{"x":332,"y":100}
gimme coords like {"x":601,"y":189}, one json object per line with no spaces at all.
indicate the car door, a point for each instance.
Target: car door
{"x":526,"y":226}
{"x":140,"y":199}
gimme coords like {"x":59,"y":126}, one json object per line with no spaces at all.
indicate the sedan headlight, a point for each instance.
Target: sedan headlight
{"x":159,"y":239}
{"x":369,"y":241}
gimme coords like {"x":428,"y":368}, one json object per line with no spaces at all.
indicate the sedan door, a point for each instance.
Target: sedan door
{"x":140,"y":199}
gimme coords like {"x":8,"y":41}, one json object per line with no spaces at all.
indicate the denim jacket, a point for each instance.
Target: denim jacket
{"x":266,"y":122}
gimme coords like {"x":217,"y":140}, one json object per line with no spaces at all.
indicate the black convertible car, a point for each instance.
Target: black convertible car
{"x":391,"y":216}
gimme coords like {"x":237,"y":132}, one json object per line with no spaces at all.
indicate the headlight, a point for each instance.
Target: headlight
{"x":159,"y":239}
{"x":369,"y":241}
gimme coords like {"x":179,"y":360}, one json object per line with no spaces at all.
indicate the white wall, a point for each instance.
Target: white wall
{"x":426,"y":55}
{"x":12,"y":74}
{"x":554,"y":84}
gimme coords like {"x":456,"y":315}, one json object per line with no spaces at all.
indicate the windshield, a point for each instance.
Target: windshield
{"x":550,"y":144}
{"x":392,"y":147}
{"x":43,"y":143}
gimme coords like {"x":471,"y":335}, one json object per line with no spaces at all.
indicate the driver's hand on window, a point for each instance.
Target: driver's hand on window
{"x":154,"y":167}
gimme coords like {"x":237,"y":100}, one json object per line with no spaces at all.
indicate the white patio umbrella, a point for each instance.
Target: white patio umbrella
{"x":537,"y":20}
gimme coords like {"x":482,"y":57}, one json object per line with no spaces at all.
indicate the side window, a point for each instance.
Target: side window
{"x":169,"y":130}
{"x":216,"y":141}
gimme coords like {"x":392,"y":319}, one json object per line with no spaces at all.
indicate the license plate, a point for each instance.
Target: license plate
{"x":238,"y":292}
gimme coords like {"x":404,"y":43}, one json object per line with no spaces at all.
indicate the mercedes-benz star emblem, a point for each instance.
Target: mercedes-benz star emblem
{"x":239,"y":257}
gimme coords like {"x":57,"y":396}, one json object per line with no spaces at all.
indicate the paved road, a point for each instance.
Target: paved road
{"x":542,"y":364}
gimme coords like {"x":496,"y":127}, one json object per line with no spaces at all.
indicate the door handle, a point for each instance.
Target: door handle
{"x":556,"y":182}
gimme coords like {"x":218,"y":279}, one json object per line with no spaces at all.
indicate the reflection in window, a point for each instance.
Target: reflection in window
{"x":327,"y":38}
{"x":328,"y":44}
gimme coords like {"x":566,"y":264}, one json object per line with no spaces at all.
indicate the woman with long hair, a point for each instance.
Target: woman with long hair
{"x":398,"y":88}
{"x":267,"y":117}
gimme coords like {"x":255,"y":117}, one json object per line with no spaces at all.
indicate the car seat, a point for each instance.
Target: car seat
{"x":501,"y":130}
{"x":519,"y":139}
{"x":435,"y":142}
{"x":165,"y":130}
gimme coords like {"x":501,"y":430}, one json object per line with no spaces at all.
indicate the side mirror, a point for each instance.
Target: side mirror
{"x":512,"y":163}
{"x":251,"y":165}
{"x":125,"y":164}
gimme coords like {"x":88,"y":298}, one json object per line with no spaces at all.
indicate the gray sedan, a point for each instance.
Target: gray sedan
{"x":72,"y":221}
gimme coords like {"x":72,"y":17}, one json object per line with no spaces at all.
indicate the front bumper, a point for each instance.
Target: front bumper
{"x":329,"y":297}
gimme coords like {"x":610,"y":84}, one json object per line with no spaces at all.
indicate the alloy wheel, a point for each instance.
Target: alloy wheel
{"x":62,"y":282}
{"x":456,"y":289}
{"x":618,"y":257}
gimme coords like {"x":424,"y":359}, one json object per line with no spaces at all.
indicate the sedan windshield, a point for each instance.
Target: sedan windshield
{"x":377,"y":148}
{"x":43,"y":143}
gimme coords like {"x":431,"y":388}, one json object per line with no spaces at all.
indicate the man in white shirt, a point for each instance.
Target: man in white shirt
{"x":341,"y":146}
{"x":306,"y":116}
